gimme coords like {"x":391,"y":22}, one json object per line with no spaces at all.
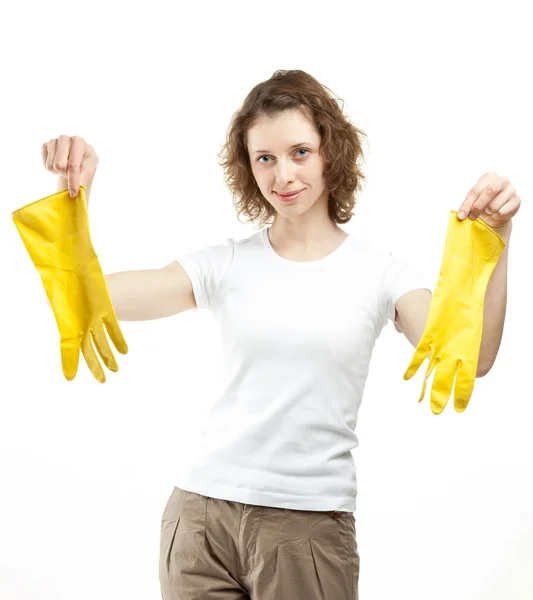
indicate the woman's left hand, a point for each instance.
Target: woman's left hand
{"x":493,"y":199}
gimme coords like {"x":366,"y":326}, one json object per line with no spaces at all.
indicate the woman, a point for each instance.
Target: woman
{"x":265,"y":507}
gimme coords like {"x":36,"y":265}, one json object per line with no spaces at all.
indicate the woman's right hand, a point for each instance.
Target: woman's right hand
{"x":71,"y":158}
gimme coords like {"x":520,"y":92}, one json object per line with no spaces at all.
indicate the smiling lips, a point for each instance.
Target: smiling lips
{"x":288,"y":197}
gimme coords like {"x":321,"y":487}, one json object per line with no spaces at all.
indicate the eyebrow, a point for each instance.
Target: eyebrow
{"x":293,"y":146}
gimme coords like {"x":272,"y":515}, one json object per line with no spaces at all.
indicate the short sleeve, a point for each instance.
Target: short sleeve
{"x":206,"y":268}
{"x":399,"y":277}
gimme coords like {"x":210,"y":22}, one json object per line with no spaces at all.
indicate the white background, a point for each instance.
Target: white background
{"x":445,"y":504}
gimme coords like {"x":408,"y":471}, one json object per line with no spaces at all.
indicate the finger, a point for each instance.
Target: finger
{"x":91,"y":359}
{"x":506,"y":210}
{"x":442,"y":385}
{"x":505,"y":194}
{"x":60,"y":157}
{"x":44,"y":153}
{"x":464,"y":386}
{"x":50,"y":156}
{"x":70,"y":357}
{"x":421,"y":351}
{"x":102,"y":345}
{"x":115,"y":334}
{"x":432,"y":362}
{"x":423,"y":392}
{"x":472,"y":197}
{"x":494,"y":197}
{"x":75,"y":158}
{"x":488,"y":194}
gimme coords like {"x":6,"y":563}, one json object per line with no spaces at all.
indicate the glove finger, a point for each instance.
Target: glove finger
{"x":464,"y":386}
{"x":115,"y":334}
{"x":422,"y":350}
{"x":91,"y":359}
{"x":431,"y":365}
{"x":70,"y":357}
{"x":102,"y":345}
{"x":442,"y":385}
{"x":423,"y":393}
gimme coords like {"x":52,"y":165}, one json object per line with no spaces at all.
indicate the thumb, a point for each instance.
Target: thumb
{"x":81,"y":176}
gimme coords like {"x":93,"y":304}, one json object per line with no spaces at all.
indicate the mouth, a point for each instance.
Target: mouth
{"x":289,"y":197}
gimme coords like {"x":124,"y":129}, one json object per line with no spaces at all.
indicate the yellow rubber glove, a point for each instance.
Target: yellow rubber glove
{"x":455,"y":322}
{"x":55,"y":231}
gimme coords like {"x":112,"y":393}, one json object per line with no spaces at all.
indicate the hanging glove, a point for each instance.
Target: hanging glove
{"x":455,"y":322}
{"x":55,"y":231}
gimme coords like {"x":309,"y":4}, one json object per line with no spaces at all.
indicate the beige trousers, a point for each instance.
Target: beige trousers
{"x":214,"y":549}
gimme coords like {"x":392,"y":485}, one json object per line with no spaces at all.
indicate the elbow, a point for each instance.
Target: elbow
{"x":482,"y":371}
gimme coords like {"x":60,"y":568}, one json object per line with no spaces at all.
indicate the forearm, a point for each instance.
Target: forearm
{"x":62,"y":185}
{"x":495,"y":307}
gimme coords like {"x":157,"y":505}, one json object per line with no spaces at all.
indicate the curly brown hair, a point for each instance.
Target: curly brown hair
{"x":341,"y":144}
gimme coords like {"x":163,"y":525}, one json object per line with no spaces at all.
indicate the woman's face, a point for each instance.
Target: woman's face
{"x":284,"y":154}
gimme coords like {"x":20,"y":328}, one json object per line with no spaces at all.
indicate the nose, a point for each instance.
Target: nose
{"x":284,"y":173}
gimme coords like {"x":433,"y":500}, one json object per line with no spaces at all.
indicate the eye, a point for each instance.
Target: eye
{"x":298,"y":150}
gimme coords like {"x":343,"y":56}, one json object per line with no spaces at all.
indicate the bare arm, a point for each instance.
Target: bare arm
{"x":495,"y":306}
{"x":151,"y":293}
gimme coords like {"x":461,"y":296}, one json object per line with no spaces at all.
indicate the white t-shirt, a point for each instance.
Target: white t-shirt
{"x":296,"y":343}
